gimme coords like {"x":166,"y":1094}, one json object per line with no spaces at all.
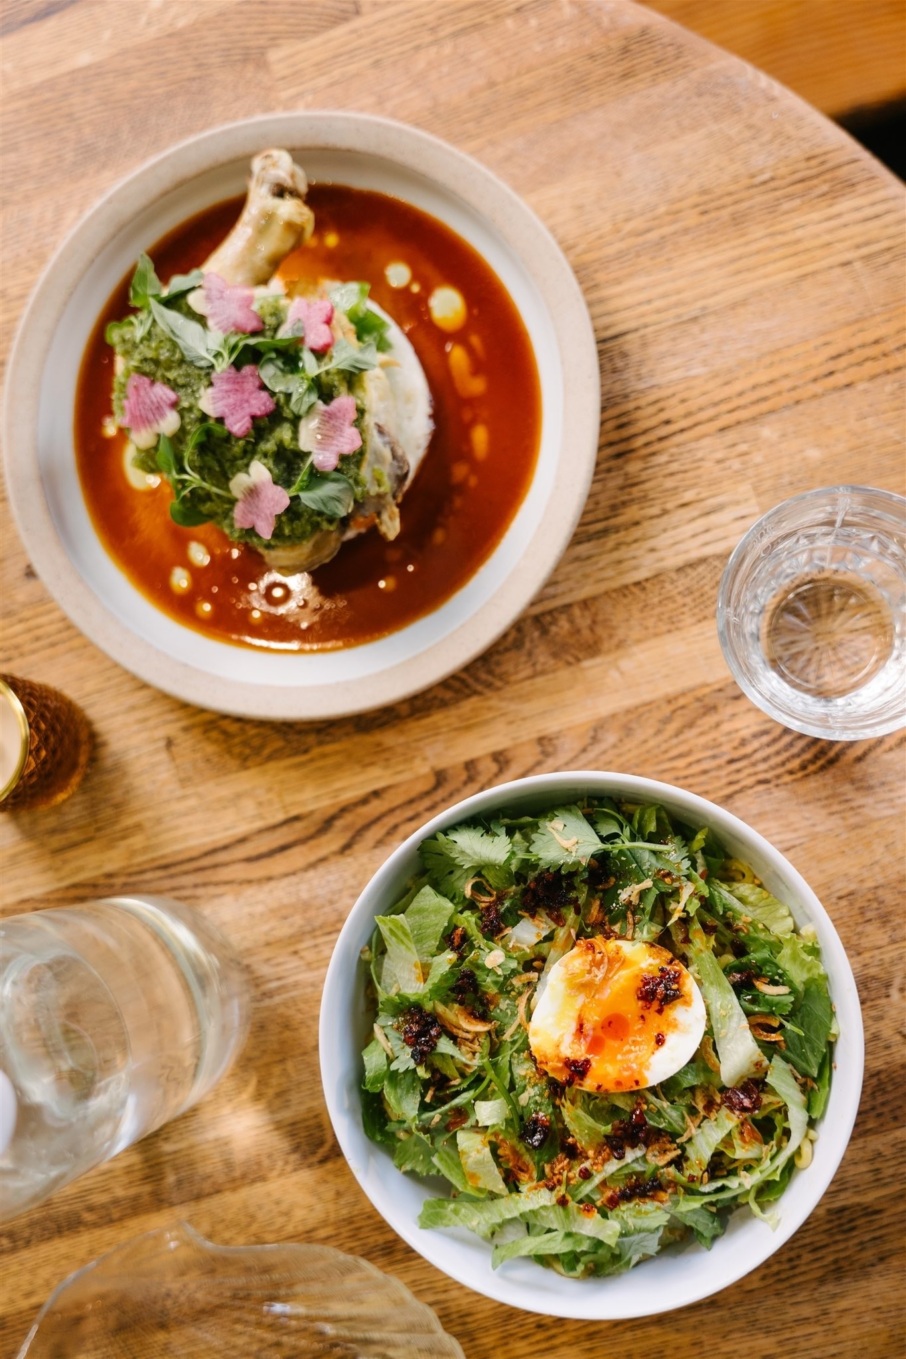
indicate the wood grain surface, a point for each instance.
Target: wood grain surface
{"x":840,"y":55}
{"x":743,"y":263}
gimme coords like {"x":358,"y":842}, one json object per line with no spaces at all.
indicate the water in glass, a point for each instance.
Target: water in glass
{"x":114,"y":1018}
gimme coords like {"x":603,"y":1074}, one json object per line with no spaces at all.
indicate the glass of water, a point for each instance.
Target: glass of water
{"x":115,"y":1017}
{"x":811,"y":613}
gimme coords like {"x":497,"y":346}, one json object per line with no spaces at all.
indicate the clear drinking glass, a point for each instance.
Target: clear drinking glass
{"x":115,"y":1017}
{"x":811,"y":613}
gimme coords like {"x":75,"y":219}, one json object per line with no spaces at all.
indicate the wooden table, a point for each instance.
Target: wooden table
{"x":840,"y":55}
{"x":743,"y":262}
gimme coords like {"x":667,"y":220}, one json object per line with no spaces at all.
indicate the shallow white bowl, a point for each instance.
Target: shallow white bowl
{"x":676,"y":1277}
{"x":44,"y":488}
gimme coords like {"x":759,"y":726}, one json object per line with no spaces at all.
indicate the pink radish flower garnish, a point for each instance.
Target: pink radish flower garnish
{"x":327,"y":432}
{"x":258,"y":499}
{"x":237,"y":397}
{"x":149,"y":410}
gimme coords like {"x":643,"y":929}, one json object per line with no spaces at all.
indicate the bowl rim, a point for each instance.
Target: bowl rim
{"x":545,"y":269}
{"x":582,"y":1299}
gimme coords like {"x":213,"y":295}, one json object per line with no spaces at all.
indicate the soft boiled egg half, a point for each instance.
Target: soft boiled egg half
{"x":616,"y":1015}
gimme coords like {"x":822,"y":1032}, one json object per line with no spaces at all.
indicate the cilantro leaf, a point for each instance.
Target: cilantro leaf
{"x":452,"y":858}
{"x":608,"y":823}
{"x":476,"y":848}
{"x":564,"y":838}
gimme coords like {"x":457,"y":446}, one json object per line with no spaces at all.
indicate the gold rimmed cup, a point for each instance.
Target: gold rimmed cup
{"x":45,"y":745}
{"x":14,"y":740}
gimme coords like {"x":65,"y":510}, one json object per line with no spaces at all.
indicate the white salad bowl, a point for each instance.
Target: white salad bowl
{"x":46,"y":496}
{"x":678,"y":1276}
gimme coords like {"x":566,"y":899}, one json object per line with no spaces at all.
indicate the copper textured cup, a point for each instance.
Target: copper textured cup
{"x":45,"y":744}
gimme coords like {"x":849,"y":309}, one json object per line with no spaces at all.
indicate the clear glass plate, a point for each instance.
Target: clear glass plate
{"x":172,"y":1293}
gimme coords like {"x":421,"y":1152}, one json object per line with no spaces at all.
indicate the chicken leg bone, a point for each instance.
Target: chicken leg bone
{"x":274,"y":220}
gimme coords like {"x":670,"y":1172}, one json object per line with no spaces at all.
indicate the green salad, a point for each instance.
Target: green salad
{"x":592,"y":1180}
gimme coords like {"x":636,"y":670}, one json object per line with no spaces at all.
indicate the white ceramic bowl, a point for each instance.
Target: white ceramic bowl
{"x":676,"y":1277}
{"x":44,"y":488}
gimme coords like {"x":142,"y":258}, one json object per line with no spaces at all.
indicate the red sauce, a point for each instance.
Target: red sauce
{"x":464,"y":496}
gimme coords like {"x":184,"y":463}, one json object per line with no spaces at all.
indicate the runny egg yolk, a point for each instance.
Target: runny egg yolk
{"x":616,"y":1015}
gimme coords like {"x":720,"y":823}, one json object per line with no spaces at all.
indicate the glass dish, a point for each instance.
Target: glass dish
{"x":173,"y":1293}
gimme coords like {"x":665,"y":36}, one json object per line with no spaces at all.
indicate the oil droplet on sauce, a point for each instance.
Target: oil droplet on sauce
{"x":198,"y":554}
{"x":331,"y":240}
{"x":448,"y":531}
{"x":481,"y":441}
{"x":398,"y":274}
{"x":204,"y":608}
{"x":467,"y":382}
{"x":137,"y":479}
{"x":448,"y":308}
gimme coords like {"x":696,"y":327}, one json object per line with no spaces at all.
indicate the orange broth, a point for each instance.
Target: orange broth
{"x":475,"y":473}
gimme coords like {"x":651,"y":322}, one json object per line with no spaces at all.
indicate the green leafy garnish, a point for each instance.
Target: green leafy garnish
{"x":329,"y":493}
{"x":167,"y":341}
{"x":352,"y":298}
{"x":145,"y":283}
{"x":564,"y":838}
{"x":191,"y":337}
